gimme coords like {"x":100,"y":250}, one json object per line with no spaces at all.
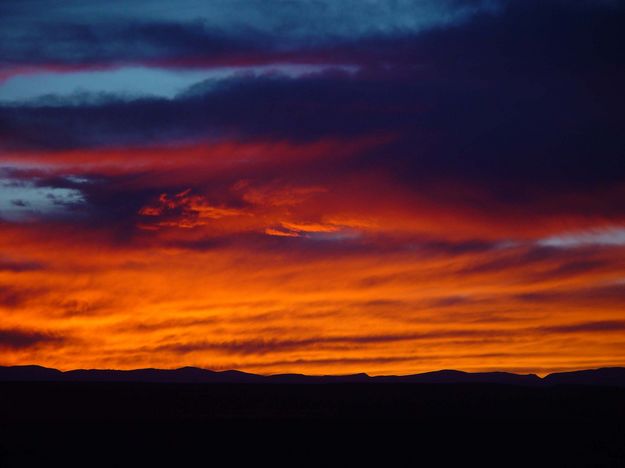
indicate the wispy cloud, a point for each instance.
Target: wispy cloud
{"x":601,"y":236}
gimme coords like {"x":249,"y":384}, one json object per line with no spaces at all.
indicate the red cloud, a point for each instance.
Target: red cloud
{"x":184,"y":210}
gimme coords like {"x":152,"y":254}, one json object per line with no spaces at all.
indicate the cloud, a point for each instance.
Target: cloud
{"x":75,"y":88}
{"x":615,"y":326}
{"x":265,"y":346}
{"x":481,"y":103}
{"x":16,"y":266}
{"x":586,"y":296}
{"x":183,"y":210}
{"x":600,"y":236}
{"x":29,"y":199}
{"x":17,"y":339}
{"x":72,"y":33}
{"x":12,"y":296}
{"x":539,"y":264}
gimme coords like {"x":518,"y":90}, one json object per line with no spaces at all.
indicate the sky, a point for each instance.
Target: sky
{"x":313,"y":186}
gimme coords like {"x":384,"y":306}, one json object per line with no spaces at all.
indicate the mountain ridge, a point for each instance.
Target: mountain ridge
{"x":606,"y":376}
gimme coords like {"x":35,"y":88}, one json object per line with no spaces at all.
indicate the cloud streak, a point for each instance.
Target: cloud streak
{"x":16,"y":339}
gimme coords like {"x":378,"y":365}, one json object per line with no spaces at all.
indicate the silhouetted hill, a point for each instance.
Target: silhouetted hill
{"x":455,"y":377}
{"x":29,"y":373}
{"x":614,"y":376}
{"x":607,"y":376}
{"x":301,"y":378}
{"x":182,"y":375}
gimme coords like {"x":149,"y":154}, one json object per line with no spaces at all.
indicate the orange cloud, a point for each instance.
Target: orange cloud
{"x":242,"y":256}
{"x":415,"y":308}
{"x":281,"y":233}
{"x":184,"y":210}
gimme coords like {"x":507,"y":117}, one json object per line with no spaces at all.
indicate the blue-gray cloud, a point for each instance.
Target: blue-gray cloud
{"x":524,"y":101}
{"x":90,"y":31}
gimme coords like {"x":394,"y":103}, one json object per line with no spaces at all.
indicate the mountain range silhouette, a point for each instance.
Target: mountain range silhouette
{"x":611,"y":376}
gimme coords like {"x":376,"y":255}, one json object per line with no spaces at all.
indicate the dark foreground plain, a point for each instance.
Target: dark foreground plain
{"x":124,"y":423}
{"x":126,"y":401}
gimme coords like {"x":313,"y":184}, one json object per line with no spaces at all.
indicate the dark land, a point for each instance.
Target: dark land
{"x":33,"y":393}
{"x":176,"y":417}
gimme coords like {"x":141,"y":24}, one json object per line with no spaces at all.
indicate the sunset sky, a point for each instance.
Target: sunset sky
{"x":313,"y":186}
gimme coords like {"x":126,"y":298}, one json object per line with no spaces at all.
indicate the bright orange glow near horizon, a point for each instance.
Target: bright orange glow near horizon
{"x":310,"y":278}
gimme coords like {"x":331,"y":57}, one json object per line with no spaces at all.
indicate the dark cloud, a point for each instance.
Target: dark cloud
{"x":16,"y":339}
{"x":340,"y":361}
{"x":224,"y":31}
{"x":379,"y":359}
{"x":523,"y":103}
{"x":573,"y":268}
{"x":12,"y":297}
{"x":305,"y":109}
{"x":107,"y":43}
{"x":532,"y":263}
{"x":265,"y":346}
{"x":585,"y":296}
{"x":19,"y":266}
{"x":604,"y":326}
{"x":527,"y":101}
